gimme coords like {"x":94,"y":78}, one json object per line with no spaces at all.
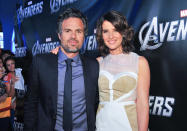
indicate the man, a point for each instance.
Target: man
{"x":44,"y":106}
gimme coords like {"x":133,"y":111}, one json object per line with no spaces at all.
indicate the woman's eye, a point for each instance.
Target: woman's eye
{"x":105,"y":31}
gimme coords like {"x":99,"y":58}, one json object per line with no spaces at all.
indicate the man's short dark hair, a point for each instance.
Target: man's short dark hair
{"x":72,"y":12}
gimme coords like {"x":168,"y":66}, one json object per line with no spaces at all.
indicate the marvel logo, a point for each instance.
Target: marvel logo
{"x":183,"y":13}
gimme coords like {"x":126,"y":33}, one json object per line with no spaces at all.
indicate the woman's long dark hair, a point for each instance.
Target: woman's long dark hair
{"x":5,"y":61}
{"x":120,"y":23}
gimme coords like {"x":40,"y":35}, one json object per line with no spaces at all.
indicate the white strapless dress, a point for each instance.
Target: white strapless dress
{"x":117,"y":91}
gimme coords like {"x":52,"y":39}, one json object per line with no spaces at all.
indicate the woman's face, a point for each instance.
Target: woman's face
{"x":10,"y":65}
{"x":112,"y":38}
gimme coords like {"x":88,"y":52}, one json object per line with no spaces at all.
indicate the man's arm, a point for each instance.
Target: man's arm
{"x":31,"y":101}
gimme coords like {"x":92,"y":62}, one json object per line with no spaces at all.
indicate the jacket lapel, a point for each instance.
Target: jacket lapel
{"x":86,"y":79}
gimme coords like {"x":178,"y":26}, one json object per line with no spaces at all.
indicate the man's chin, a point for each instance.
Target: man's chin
{"x":72,"y":50}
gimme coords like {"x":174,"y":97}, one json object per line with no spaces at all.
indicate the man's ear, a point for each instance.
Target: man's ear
{"x":59,"y":36}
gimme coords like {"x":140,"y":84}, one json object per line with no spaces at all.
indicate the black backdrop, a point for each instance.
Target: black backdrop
{"x":160,"y":28}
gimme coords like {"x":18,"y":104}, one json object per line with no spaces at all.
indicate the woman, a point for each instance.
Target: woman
{"x":9,"y":64}
{"x":3,"y":95}
{"x":124,"y":78}
{"x":5,"y":101}
{"x":14,"y":75}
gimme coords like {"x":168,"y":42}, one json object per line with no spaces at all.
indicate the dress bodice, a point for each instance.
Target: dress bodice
{"x":118,"y":77}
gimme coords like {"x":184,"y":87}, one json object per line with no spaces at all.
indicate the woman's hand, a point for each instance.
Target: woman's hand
{"x":55,"y":50}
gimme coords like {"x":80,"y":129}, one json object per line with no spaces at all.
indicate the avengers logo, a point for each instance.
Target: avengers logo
{"x":56,"y":4}
{"x":152,"y":35}
{"x":44,"y":47}
{"x":29,"y":11}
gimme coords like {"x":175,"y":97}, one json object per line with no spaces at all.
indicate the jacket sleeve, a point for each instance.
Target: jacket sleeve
{"x":31,"y":100}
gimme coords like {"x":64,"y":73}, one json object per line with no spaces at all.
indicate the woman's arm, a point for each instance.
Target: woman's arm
{"x":143,"y":94}
{"x":10,"y":85}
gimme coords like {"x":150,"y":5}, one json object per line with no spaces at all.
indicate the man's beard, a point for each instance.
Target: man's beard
{"x":68,"y":50}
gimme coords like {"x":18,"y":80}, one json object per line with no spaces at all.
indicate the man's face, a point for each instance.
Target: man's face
{"x":72,"y":35}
